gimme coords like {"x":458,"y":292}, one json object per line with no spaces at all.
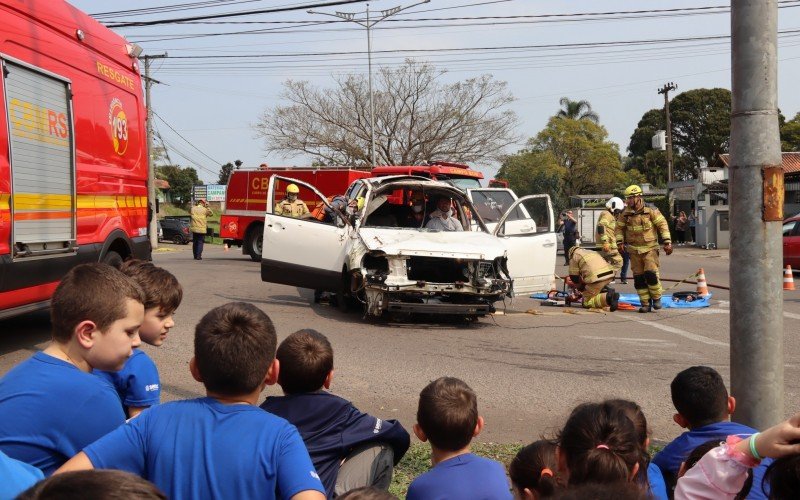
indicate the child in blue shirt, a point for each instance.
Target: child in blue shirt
{"x":704,"y":407}
{"x":447,"y":416}
{"x":335,"y":432}
{"x":51,"y":404}
{"x":138,"y":384}
{"x":16,"y":476}
{"x":222,"y":445}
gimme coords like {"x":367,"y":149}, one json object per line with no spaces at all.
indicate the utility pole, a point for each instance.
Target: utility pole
{"x":151,"y":169}
{"x":665,"y":90}
{"x":368,"y":24}
{"x":756,"y":215}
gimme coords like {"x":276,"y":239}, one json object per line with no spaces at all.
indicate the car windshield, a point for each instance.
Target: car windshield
{"x":465,"y":183}
{"x":419,"y":207}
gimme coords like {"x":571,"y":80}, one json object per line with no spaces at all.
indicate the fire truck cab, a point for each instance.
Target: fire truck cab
{"x":73,"y":157}
{"x":456,"y":174}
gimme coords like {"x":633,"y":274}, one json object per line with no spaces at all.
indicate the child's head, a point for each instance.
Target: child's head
{"x":606,"y":491}
{"x":234,"y":350}
{"x":306,"y":359}
{"x":162,"y":296}
{"x":700,"y":396}
{"x":533,"y":470}
{"x":598,"y":444}
{"x":447,"y":414}
{"x":783,"y":477}
{"x":634,"y":412}
{"x":100,"y":309}
{"x":93,"y":485}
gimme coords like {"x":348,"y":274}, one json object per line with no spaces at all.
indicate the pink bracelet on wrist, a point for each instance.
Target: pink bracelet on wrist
{"x":743,"y":458}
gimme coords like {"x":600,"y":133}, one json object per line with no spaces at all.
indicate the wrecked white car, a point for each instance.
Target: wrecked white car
{"x":407,"y":244}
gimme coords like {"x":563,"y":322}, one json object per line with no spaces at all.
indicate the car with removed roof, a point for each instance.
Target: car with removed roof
{"x":370,"y":254}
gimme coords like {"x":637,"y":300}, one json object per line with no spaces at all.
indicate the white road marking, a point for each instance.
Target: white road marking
{"x":624,"y":339}
{"x":682,"y":333}
{"x":727,"y":311}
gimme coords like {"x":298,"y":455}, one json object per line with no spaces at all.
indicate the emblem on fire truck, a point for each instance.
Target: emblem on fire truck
{"x":119,"y":126}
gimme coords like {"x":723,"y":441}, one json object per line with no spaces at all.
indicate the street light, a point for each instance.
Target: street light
{"x":369,"y":23}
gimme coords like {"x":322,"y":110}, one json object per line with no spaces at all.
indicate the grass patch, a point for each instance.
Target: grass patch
{"x":417,"y":460}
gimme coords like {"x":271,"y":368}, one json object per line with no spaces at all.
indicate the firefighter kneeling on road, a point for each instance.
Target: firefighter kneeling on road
{"x":291,"y":206}
{"x":638,"y":229}
{"x":590,"y":274}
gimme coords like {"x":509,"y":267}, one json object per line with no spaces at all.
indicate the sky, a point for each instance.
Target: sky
{"x":206,"y":107}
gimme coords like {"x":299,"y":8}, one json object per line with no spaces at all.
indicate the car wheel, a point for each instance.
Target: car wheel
{"x":254,"y":242}
{"x":178,"y":239}
{"x":112,"y":258}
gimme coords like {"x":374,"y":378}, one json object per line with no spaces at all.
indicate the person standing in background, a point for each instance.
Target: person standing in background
{"x":200,"y":213}
{"x":570,"y":233}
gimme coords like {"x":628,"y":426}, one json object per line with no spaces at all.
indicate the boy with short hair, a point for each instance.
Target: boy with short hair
{"x":349,"y":448}
{"x":52,"y":405}
{"x":704,"y":407}
{"x":220,"y":446}
{"x":447,"y":416}
{"x":138,"y":384}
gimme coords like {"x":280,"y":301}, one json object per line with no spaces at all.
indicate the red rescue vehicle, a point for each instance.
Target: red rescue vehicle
{"x":73,"y":157}
{"x":242,"y":222}
{"x":460,"y":176}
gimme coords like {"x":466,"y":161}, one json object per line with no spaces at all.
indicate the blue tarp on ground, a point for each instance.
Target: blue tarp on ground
{"x":666,"y":301}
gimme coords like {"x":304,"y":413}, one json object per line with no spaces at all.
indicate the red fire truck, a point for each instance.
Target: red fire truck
{"x":242,"y":223}
{"x":460,"y":176}
{"x":73,"y":157}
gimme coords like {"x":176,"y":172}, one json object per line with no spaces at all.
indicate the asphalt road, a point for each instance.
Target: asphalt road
{"x":530,"y":365}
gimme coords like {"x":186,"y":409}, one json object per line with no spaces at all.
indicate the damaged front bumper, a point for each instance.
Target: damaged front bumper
{"x":431,"y":285}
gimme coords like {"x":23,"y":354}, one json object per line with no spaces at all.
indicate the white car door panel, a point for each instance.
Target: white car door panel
{"x":302,"y":252}
{"x":531,"y":247}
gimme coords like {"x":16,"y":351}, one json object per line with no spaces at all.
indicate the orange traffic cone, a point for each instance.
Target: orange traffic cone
{"x":702,"y":287}
{"x":788,"y":279}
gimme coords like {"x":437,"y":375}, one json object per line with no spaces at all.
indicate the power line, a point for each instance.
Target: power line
{"x":185,"y":139}
{"x":233,"y":14}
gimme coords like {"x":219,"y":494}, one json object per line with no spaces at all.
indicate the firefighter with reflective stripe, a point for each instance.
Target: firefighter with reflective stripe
{"x":590,"y":274}
{"x":605,"y":237}
{"x":638,"y":230}
{"x":291,"y":206}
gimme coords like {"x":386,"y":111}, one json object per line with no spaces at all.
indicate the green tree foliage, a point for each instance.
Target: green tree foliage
{"x":224,"y":173}
{"x":577,"y":110}
{"x":181,"y":180}
{"x":701,"y":125}
{"x":790,"y":134}
{"x":567,"y":157}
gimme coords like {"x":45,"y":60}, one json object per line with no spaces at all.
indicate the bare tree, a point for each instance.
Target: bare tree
{"x":417,"y":119}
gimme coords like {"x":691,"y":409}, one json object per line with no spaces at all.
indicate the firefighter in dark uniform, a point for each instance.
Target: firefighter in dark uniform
{"x":590,"y":274}
{"x":638,"y":230}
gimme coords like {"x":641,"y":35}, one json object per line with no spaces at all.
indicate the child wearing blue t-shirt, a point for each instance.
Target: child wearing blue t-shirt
{"x":51,"y":404}
{"x":350,"y":449}
{"x":447,"y":416}
{"x":223,"y":445}
{"x":138,"y":384}
{"x":704,"y":407}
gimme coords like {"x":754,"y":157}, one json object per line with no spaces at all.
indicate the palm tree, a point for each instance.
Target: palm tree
{"x":577,"y":110}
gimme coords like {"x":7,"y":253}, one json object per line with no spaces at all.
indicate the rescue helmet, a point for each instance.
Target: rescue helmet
{"x":292,"y":189}
{"x":572,"y":250}
{"x":633,"y":190}
{"x":615,"y":204}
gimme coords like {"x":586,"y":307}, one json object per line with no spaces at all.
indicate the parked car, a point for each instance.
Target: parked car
{"x":791,"y":242}
{"x":174,"y":230}
{"x":377,"y":258}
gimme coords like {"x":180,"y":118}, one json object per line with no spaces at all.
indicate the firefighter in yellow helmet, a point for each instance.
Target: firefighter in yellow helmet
{"x":605,"y":237}
{"x":291,"y":206}
{"x":590,"y":274}
{"x":638,"y":230}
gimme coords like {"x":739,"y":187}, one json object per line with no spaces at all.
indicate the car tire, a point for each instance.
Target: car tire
{"x":178,"y":240}
{"x":254,"y":241}
{"x":112,"y":258}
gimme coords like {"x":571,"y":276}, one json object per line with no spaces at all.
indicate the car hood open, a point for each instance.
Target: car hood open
{"x":458,"y":245}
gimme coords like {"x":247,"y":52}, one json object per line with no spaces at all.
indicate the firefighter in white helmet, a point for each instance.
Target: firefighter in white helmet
{"x":605,"y":238}
{"x":291,"y":206}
